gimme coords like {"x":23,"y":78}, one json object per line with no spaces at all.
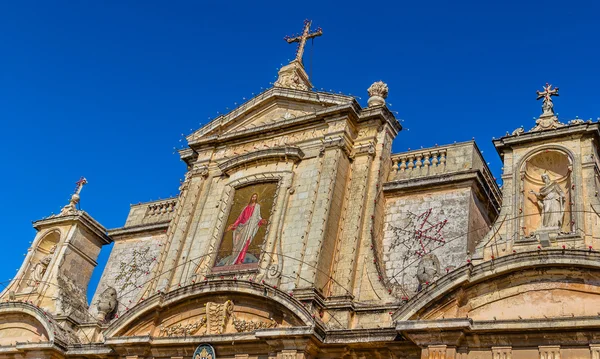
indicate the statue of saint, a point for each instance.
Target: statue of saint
{"x":551,"y":201}
{"x":39,"y":269}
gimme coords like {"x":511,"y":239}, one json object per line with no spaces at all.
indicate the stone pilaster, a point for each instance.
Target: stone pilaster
{"x":178,"y":230}
{"x":319,"y":247}
{"x":595,"y":351}
{"x":549,"y":351}
{"x":501,"y":352}
{"x":351,"y":224}
{"x":438,"y":352}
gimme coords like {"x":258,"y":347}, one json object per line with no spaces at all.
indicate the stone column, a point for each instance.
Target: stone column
{"x":549,"y":351}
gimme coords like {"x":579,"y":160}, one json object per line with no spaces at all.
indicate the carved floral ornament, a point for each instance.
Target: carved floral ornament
{"x":378,"y":92}
{"x":217,"y":319}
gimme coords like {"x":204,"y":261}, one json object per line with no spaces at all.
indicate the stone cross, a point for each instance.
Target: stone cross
{"x":547,"y":105}
{"x":301,"y":40}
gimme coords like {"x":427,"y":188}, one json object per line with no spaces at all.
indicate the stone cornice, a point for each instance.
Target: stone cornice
{"x":489,"y":332}
{"x":82,"y":217}
{"x":272,"y":93}
{"x":505,"y":142}
{"x":294,"y":154}
{"x":355,"y":336}
{"x":118,"y":233}
{"x":382,"y":111}
{"x":302,"y":121}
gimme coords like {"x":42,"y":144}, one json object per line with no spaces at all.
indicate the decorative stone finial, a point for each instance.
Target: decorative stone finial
{"x":548,"y":120}
{"x":293,"y":76}
{"x":71,"y":208}
{"x":107,"y":304}
{"x":378,"y":92}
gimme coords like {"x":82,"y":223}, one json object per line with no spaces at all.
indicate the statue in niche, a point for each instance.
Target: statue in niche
{"x":551,"y":202}
{"x":39,"y":269}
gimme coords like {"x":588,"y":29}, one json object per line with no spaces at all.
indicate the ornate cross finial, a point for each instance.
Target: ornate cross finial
{"x":547,"y":105}
{"x":71,"y":208}
{"x":82,"y":181}
{"x":301,"y":40}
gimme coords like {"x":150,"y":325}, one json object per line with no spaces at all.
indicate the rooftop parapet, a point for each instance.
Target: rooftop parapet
{"x":440,"y":162}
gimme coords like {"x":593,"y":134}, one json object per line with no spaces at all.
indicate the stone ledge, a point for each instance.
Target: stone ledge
{"x":82,"y":217}
{"x":116,"y":233}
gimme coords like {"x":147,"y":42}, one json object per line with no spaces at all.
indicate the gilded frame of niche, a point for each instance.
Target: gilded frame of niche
{"x":555,"y":162}
{"x":272,"y":227}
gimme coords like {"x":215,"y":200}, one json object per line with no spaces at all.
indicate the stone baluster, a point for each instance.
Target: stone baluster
{"x":418,"y":163}
{"x":403,"y":164}
{"x":434,"y":160}
{"x":411,"y":162}
{"x":395,"y":165}
{"x":426,"y":162}
{"x":443,"y":158}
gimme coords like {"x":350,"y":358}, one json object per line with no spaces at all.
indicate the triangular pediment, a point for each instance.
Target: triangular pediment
{"x":270,"y":108}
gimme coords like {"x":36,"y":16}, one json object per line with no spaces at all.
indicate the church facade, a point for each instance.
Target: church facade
{"x":298,"y":234}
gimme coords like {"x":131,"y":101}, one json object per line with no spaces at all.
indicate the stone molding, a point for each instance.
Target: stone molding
{"x":82,"y":217}
{"x":274,"y":92}
{"x":287,"y":153}
{"x":506,"y":142}
{"x":160,"y":301}
{"x":119,"y":233}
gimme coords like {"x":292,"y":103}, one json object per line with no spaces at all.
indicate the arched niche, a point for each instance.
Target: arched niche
{"x":21,"y":327}
{"x":49,"y":242}
{"x":560,"y":283}
{"x":557,"y":164}
{"x":533,"y":293}
{"x":38,"y":263}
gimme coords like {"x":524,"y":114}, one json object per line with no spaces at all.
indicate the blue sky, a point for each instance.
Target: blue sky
{"x":106,"y":89}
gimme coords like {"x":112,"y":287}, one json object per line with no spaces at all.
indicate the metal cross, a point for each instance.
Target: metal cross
{"x":82,"y":181}
{"x":301,"y":40}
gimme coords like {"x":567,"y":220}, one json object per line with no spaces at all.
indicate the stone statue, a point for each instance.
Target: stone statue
{"x":428,"y":270}
{"x":107,"y":304}
{"x":40,"y":268}
{"x":551,"y":201}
